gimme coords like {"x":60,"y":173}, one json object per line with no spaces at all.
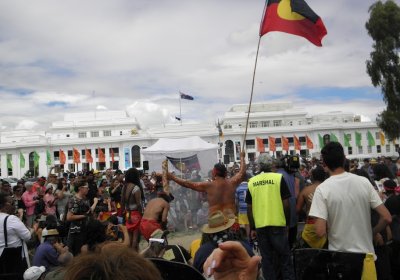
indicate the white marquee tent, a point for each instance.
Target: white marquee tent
{"x":207,"y":154}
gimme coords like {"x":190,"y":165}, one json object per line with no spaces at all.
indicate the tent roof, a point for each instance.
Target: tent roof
{"x":189,"y":144}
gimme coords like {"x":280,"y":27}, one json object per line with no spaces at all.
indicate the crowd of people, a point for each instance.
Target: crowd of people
{"x":81,"y":225}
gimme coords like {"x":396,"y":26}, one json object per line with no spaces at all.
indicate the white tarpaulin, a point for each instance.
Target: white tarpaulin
{"x":181,"y":148}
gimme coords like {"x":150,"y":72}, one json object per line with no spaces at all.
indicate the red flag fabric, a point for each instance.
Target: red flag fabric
{"x":102,"y":157}
{"x":272,"y":146}
{"x":112,"y":155}
{"x":297,"y":145}
{"x":293,"y":17}
{"x":309,"y":143}
{"x":62,"y":157}
{"x":285,"y":144}
{"x":88,"y":155}
{"x":260,"y":145}
{"x":77,"y":156}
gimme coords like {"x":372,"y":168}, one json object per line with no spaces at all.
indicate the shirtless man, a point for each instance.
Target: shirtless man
{"x":155,"y":215}
{"x":221,"y":190}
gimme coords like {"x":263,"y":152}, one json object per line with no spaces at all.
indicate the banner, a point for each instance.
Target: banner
{"x":21,"y":160}
{"x":76,"y":156}
{"x":285,"y":144}
{"x":36,"y":159}
{"x":260,"y":145}
{"x":309,"y":142}
{"x":88,"y":156}
{"x":271,"y":142}
{"x":102,"y":157}
{"x":185,"y":164}
{"x":127,"y":158}
{"x":297,"y":145}
{"x":48,"y":158}
{"x":62,"y":157}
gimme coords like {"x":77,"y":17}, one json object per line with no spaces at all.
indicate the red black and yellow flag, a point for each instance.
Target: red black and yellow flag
{"x":294,"y":17}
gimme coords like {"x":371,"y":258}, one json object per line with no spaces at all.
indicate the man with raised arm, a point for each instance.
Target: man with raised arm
{"x":221,"y":190}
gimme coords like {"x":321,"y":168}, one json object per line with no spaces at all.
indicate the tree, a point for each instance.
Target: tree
{"x":384,"y":67}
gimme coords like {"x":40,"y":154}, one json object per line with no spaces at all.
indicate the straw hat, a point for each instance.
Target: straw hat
{"x":50,"y":232}
{"x":217,"y":222}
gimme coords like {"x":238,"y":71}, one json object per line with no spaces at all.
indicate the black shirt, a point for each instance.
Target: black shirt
{"x":393,"y":204}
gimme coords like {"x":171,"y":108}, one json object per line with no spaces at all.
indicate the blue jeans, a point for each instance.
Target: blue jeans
{"x":274,"y":248}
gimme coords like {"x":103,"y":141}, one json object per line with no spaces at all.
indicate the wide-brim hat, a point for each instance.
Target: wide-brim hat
{"x":217,"y":222}
{"x":51,"y":232}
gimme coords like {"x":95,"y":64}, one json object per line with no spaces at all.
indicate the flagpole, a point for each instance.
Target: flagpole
{"x":180,"y":108}
{"x":251,"y":95}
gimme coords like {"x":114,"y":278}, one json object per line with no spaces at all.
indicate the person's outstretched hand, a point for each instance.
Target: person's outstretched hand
{"x":231,"y":261}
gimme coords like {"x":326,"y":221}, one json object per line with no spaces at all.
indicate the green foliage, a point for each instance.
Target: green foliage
{"x":384,"y":67}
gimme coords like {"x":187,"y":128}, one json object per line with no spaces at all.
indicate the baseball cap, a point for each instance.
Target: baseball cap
{"x":34,"y":272}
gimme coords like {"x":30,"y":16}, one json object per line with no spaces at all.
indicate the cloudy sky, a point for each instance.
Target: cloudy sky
{"x":136,"y":55}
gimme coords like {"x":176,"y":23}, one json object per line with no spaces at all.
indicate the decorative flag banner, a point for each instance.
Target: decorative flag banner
{"x":333,"y":138}
{"x":293,"y":17}
{"x":102,"y":157}
{"x":185,"y":164}
{"x":297,"y":145}
{"x":358,"y":139}
{"x":285,"y":144}
{"x":63,"y":158}
{"x":260,"y":145}
{"x":371,"y":140}
{"x":88,"y":156}
{"x":48,"y":158}
{"x":21,"y":160}
{"x":321,"y":141}
{"x":9,"y":161}
{"x":36,"y":159}
{"x":112,"y":155}
{"x":346,"y":138}
{"x":186,"y":96}
{"x":309,"y":143}
{"x":272,"y":146}
{"x":77,"y":156}
{"x":382,"y":138}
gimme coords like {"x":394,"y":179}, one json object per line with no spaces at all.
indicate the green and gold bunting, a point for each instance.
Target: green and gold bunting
{"x":333,"y":138}
{"x":371,"y":140}
{"x":321,"y":140}
{"x":358,"y":139}
{"x":48,"y":158}
{"x":347,"y":138}
{"x":9,"y":161}
{"x":36,"y":158}
{"x":21,"y":160}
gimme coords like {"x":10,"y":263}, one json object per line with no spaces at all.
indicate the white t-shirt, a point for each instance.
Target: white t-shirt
{"x":16,"y":231}
{"x":345,"y":202}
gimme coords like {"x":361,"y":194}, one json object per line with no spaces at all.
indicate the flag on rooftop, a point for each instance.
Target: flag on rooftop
{"x":272,"y":145}
{"x":358,"y":139}
{"x":186,"y":96}
{"x":293,"y":17}
{"x":371,"y":140}
{"x":88,"y":156}
{"x":178,"y":118}
{"x":297,"y":144}
{"x":76,"y":156}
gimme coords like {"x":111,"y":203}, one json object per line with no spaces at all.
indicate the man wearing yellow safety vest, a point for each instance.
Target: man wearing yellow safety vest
{"x":268,"y":212}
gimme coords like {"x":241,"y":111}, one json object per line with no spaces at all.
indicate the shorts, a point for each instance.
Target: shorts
{"x":243,"y":219}
{"x":132,"y":220}
{"x":147,"y":227}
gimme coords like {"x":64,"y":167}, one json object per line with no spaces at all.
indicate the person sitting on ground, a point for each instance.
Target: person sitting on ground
{"x":216,"y":232}
{"x":155,"y":215}
{"x":221,"y":190}
{"x":113,"y":261}
{"x":48,"y":253}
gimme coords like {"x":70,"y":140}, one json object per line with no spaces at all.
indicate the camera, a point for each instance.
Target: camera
{"x":290,"y":163}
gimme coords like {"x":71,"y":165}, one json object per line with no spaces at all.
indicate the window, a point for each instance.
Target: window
{"x":83,"y":153}
{"x":277,"y":122}
{"x":299,"y":122}
{"x":302,"y":140}
{"x":250,"y":144}
{"x":82,"y":134}
{"x":378,"y":149}
{"x":265,"y":124}
{"x":253,"y":124}
{"x":290,"y":140}
{"x":360,"y":149}
{"x":56,"y":155}
{"x":369,"y":149}
{"x":70,"y":155}
{"x":290,"y":123}
{"x":94,"y":134}
{"x":106,"y":132}
{"x":71,"y":167}
{"x":278,"y":142}
{"x":387,"y":148}
{"x":228,"y":126}
{"x":350,"y":150}
{"x":120,"y":133}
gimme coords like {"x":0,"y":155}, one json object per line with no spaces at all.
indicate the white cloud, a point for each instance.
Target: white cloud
{"x":26,"y":124}
{"x":94,"y":53}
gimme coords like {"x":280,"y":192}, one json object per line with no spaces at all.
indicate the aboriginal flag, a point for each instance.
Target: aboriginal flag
{"x":293,"y":17}
{"x":185,"y":164}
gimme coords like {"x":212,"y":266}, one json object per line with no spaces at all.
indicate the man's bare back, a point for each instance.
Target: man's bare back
{"x":220,"y":191}
{"x":157,"y":209}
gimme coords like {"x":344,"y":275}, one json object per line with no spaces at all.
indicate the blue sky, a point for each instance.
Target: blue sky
{"x":72,"y":56}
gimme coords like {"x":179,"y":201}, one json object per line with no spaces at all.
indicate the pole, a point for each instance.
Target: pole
{"x":180,"y":108}
{"x":251,"y":95}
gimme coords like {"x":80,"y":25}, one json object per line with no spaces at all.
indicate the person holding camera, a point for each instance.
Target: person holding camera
{"x":30,"y":199}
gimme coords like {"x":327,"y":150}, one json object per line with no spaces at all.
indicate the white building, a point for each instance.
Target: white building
{"x":115,"y":132}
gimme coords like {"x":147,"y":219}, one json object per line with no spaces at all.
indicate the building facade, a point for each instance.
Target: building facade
{"x":113,"y":139}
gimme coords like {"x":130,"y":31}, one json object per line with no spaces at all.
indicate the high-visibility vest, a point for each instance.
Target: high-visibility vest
{"x":267,"y":206}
